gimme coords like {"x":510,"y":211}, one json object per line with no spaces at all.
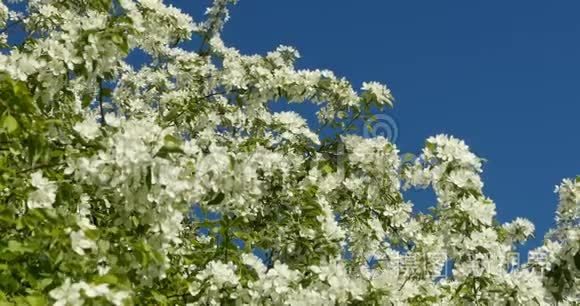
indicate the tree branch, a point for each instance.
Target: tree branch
{"x":40,"y":167}
{"x":103,"y":123}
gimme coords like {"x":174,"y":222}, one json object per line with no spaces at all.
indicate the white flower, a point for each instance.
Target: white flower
{"x":67,"y":294}
{"x":448,"y":148}
{"x":481,"y":238}
{"x":45,"y":193}
{"x":70,"y":294}
{"x":118,"y":298}
{"x":3,"y":14}
{"x":83,"y":213}
{"x":480,"y":211}
{"x":528,"y":286}
{"x":89,"y":128}
{"x":279,"y":279}
{"x":328,"y":222}
{"x":112,"y":120}
{"x":463,"y":178}
{"x":519,"y":230}
{"x":96,"y":290}
{"x":220,"y":275}
{"x":379,"y":92}
{"x":80,"y":242}
{"x":102,"y":266}
{"x":170,"y":223}
{"x":254,"y":262}
{"x":569,"y":206}
{"x":295,"y":125}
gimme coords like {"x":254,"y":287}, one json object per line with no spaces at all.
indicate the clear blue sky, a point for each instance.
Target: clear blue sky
{"x":503,"y":75}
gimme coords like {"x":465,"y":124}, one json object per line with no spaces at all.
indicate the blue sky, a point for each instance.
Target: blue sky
{"x":502,"y":75}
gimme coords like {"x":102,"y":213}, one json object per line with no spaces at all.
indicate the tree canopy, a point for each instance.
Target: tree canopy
{"x":176,"y":183}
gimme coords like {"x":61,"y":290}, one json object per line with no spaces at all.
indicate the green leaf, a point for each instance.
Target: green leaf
{"x":577,"y":260}
{"x":43,"y":283}
{"x":431,"y":146}
{"x":327,"y":169}
{"x":17,"y":247}
{"x":218,"y":199}
{"x":106,"y":92}
{"x":36,"y":300}
{"x":369,"y":127}
{"x":160,"y":298}
{"x":9,"y":123}
{"x":171,"y":145}
{"x":106,"y":279}
{"x":407,"y":157}
{"x":172,"y":115}
{"x":86,"y":100}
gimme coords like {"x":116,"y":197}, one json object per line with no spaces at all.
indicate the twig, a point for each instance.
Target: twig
{"x":103,"y":123}
{"x":41,"y":167}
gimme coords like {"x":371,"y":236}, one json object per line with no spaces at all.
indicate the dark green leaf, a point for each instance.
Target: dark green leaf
{"x":218,"y":199}
{"x":86,"y":100}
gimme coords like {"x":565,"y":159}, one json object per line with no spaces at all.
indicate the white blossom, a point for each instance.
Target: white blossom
{"x":67,"y":294}
{"x":89,"y":128}
{"x":480,"y":211}
{"x":80,"y":242}
{"x":379,"y":92}
{"x":45,"y":193}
